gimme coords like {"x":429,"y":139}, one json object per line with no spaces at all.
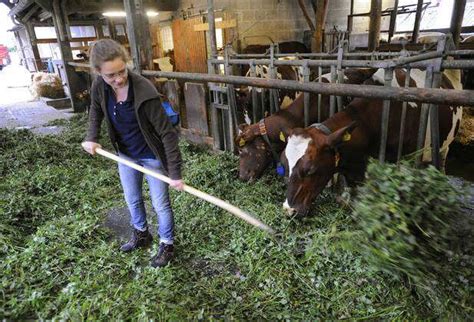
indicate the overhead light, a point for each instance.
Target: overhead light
{"x":152,"y":13}
{"x":123,"y":14}
{"x":114,"y":14}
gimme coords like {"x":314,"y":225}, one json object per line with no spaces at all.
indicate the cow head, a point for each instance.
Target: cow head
{"x":311,"y":155}
{"x":254,"y":153}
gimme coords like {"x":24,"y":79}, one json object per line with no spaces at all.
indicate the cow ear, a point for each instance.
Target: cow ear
{"x":285,"y":133}
{"x":246,"y":133}
{"x":242,"y":128}
{"x":341,"y":136}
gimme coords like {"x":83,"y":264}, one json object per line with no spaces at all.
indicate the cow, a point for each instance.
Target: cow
{"x":343,"y":143}
{"x":285,"y":97}
{"x":257,"y":150}
{"x":260,"y":143}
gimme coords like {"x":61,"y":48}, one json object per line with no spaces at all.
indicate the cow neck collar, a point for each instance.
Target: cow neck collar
{"x":263,"y":133}
{"x":321,"y":127}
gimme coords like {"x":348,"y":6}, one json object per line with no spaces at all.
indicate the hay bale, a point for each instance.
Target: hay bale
{"x":465,"y":135}
{"x":46,"y":85}
{"x":413,"y":226}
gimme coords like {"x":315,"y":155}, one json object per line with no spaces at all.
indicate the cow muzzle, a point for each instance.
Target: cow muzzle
{"x":290,"y":212}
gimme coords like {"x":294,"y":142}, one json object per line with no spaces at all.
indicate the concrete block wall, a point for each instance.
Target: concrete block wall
{"x":282,"y":20}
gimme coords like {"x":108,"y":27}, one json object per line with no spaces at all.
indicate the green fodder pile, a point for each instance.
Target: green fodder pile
{"x":413,"y":227}
{"x":57,"y":260}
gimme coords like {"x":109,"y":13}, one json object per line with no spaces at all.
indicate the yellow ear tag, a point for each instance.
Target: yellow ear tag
{"x":282,"y":137}
{"x":346,"y":137}
{"x":241,"y":142}
{"x":337,"y":159}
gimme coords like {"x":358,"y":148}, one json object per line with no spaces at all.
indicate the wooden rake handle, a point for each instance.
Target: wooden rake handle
{"x":200,"y":194}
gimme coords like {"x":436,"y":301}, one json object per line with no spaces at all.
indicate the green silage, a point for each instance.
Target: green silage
{"x":58,"y":261}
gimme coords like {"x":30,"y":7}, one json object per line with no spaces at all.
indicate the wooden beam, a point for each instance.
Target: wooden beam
{"x":30,"y":31}
{"x":218,"y":25}
{"x":55,"y":40}
{"x":374,"y":27}
{"x":350,"y":18}
{"x":138,"y":31}
{"x":45,"y":4}
{"x":393,"y":20}
{"x":74,"y":84}
{"x":317,"y":41}
{"x":416,"y":28}
{"x":306,"y":15}
{"x":212,"y":28}
{"x":34,"y":8}
{"x":456,"y":20}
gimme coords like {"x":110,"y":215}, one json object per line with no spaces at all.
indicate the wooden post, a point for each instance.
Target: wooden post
{"x":138,"y":30}
{"x":350,"y":19}
{"x":456,"y":20}
{"x":30,"y":31}
{"x":112,"y":31}
{"x":321,"y":9}
{"x":212,"y":28}
{"x":374,"y":27}
{"x":99,"y":31}
{"x":416,"y":28}
{"x":73,"y":82}
{"x":306,"y":15}
{"x":393,"y":21}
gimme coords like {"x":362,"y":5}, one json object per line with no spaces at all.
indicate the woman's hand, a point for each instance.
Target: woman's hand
{"x":177,"y":184}
{"x":90,"y":147}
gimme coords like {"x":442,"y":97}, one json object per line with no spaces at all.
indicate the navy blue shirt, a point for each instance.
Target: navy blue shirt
{"x":124,"y":121}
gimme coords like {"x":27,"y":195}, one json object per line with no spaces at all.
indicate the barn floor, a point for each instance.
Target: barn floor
{"x":58,"y":261}
{"x":19,"y":110}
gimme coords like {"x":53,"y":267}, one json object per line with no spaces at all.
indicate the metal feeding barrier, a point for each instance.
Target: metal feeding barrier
{"x":223,"y":101}
{"x":431,"y":96}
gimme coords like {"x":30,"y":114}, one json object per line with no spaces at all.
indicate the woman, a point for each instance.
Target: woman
{"x":139,"y":130}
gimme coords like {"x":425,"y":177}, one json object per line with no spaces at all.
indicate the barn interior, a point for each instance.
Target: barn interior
{"x":225,"y":65}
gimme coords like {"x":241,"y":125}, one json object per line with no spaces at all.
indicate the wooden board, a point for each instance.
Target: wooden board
{"x":189,"y":46}
{"x":219,"y":25}
{"x":196,"y":109}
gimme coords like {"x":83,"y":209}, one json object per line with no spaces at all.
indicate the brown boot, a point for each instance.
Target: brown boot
{"x":139,"y":239}
{"x":164,"y":256}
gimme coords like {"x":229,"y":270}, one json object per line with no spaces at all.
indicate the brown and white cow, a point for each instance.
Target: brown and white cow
{"x":344,"y":142}
{"x":255,"y":153}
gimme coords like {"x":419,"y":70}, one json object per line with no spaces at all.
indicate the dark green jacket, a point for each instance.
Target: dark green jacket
{"x":159,"y":133}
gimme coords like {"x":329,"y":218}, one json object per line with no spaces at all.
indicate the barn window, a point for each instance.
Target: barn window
{"x":166,"y":38}
{"x":82,"y":31}
{"x":45,"y":32}
{"x":436,"y":16}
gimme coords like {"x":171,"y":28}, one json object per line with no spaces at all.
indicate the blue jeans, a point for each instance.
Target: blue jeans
{"x":132,"y":182}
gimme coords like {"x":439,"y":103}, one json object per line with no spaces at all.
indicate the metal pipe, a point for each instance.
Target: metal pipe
{"x":437,"y":96}
{"x":320,"y":80}
{"x":403,"y":119}
{"x":434,"y":125}
{"x":424,"y":117}
{"x":340,"y":73}
{"x":332,"y":98}
{"x":449,"y":64}
{"x":456,"y":20}
{"x":460,"y":52}
{"x":253,"y":73}
{"x":306,"y":97}
{"x":388,"y":77}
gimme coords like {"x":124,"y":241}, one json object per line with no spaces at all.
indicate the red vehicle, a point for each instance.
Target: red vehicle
{"x":4,"y":56}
